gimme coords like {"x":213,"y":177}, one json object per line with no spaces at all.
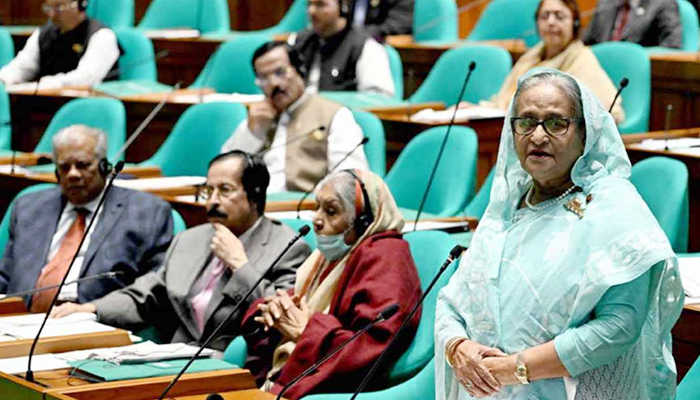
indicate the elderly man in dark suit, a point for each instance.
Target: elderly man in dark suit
{"x":645,"y":22}
{"x":209,"y":268}
{"x":130,"y":236}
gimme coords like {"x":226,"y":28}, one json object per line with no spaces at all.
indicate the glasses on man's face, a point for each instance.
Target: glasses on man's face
{"x":280,"y":73}
{"x":225,"y":191}
{"x":555,"y":126}
{"x":558,"y":16}
{"x":58,"y":8}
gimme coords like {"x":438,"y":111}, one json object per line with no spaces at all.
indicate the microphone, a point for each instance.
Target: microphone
{"x":14,"y":157}
{"x":385,"y":314}
{"x":623,"y":84}
{"x":472,"y":66}
{"x":104,"y":275}
{"x":291,"y":140}
{"x":303,"y":231}
{"x":214,"y":396}
{"x":306,"y":194}
{"x":29,"y":376}
{"x":454,"y":254}
{"x":669,"y":110}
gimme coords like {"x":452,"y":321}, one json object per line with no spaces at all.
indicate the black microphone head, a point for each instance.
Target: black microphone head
{"x":304,"y":230}
{"x":456,"y":252}
{"x":214,"y":396}
{"x":624,"y":82}
{"x":365,"y":140}
{"x":472,"y":65}
{"x":321,"y":128}
{"x":388,"y":312}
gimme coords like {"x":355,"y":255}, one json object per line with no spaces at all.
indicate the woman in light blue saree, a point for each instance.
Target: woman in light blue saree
{"x":570,"y":287}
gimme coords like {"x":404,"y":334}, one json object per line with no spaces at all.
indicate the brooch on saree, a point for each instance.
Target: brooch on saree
{"x":578,"y":207}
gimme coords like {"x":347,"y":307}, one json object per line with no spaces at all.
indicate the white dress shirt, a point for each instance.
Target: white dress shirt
{"x":68,"y":216}
{"x":99,"y":58}
{"x":343,"y":135}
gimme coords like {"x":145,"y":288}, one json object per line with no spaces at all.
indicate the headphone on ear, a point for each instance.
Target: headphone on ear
{"x":344,"y":8}
{"x":364,"y":216}
{"x":82,"y":5}
{"x":255,"y":177}
{"x":104,"y":167}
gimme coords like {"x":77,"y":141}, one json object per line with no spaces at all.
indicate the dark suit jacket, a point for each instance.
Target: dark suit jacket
{"x":387,"y":17}
{"x":162,"y":298}
{"x":652,"y":23}
{"x":131,"y":236}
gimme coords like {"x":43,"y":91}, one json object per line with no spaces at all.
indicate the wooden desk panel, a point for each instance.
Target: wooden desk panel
{"x":686,"y":339}
{"x":12,"y":305}
{"x":61,"y":344}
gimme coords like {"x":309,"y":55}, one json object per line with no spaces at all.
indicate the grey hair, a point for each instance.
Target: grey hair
{"x":566,"y":84}
{"x":65,"y":135}
{"x":344,"y":186}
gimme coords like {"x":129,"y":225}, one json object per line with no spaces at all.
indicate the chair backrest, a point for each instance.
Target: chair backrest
{"x":620,"y":60}
{"x":453,"y":186}
{"x":507,"y":19}
{"x":295,"y":224}
{"x":178,"y":223}
{"x":689,"y":388}
{"x":229,"y":69}
{"x":7,"y":47}
{"x":396,"y":67}
{"x":117,"y":14}
{"x":207,"y":16}
{"x":295,"y":20}
{"x":691,"y":27}
{"x":479,"y":203}
{"x":375,"y":149}
{"x":435,"y":20}
{"x":5,"y":224}
{"x":5,"y":120}
{"x":196,"y":138}
{"x":138,"y":61}
{"x":445,"y":79}
{"x":670,"y":204}
{"x":429,"y":250}
{"x":106,"y":114}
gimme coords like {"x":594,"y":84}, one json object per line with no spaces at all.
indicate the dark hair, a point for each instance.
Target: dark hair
{"x":254,"y":177}
{"x":295,"y":57}
{"x":572,"y":5}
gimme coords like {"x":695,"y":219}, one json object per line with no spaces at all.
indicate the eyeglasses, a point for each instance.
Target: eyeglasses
{"x":555,"y":126}
{"x":558,"y":15}
{"x":225,"y":191}
{"x":58,"y":8}
{"x":279,"y":73}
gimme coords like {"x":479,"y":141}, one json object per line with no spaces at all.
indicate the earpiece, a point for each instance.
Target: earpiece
{"x":82,"y":5}
{"x":105,"y":167}
{"x":364,"y":216}
{"x":344,"y":8}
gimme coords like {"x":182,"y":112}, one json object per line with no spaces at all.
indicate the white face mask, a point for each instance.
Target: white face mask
{"x":333,"y":247}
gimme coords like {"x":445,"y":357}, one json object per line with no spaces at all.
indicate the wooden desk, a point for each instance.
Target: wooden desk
{"x":686,"y":339}
{"x":61,"y":344}
{"x":12,"y":305}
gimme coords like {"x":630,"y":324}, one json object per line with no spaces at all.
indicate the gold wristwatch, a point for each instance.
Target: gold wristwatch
{"x":521,"y":369}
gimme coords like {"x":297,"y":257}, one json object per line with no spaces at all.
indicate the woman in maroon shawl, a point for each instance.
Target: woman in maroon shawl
{"x":361,"y":266}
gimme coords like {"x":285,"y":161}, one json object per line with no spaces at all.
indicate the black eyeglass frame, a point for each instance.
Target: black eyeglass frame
{"x":543,"y":123}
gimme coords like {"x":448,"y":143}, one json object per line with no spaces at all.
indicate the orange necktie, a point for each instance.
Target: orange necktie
{"x":53,"y":272}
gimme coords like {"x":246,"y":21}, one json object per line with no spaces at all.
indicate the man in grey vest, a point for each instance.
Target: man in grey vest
{"x":338,"y":56}
{"x":69,"y":50}
{"x":301,"y":134}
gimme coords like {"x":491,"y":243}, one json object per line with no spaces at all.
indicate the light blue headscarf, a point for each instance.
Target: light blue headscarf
{"x":531,"y":275}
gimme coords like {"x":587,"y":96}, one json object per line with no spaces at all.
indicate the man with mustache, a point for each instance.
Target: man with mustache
{"x":302,"y":135}
{"x":209,"y":268}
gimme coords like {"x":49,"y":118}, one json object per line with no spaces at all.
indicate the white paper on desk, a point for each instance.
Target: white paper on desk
{"x":428,"y":225}
{"x":4,"y":338}
{"x":78,"y":328}
{"x":137,"y":353}
{"x":40,"y":362}
{"x":7,"y":169}
{"x":691,"y":300}
{"x":690,"y":275}
{"x":172,"y":33}
{"x":36,"y":320}
{"x":194,"y":97}
{"x":463,"y":114}
{"x":173,"y":182}
{"x":190,"y":198}
{"x":303,"y":214}
{"x":673,"y":144}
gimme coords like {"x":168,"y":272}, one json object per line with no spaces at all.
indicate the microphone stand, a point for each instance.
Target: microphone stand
{"x":623,"y":84}
{"x":472,"y":65}
{"x":669,"y":110}
{"x":303,"y":231}
{"x":86,"y":279}
{"x":454,"y":254}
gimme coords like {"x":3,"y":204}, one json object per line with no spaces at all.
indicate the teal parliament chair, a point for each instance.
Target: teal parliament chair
{"x":375,"y":149}
{"x":411,"y":377}
{"x":478,"y":205}
{"x":7,"y":47}
{"x":396,"y":67}
{"x":629,"y":60}
{"x":435,"y":20}
{"x":229,"y":69}
{"x":455,"y":179}
{"x":196,"y":138}
{"x":691,"y":26}
{"x":296,"y":224}
{"x":106,"y":114}
{"x":507,"y":19}
{"x":670,"y":205}
{"x":444,"y":81}
{"x":207,"y":16}
{"x":689,"y":388}
{"x":138,"y":60}
{"x":117,"y":14}
{"x":5,"y":121}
